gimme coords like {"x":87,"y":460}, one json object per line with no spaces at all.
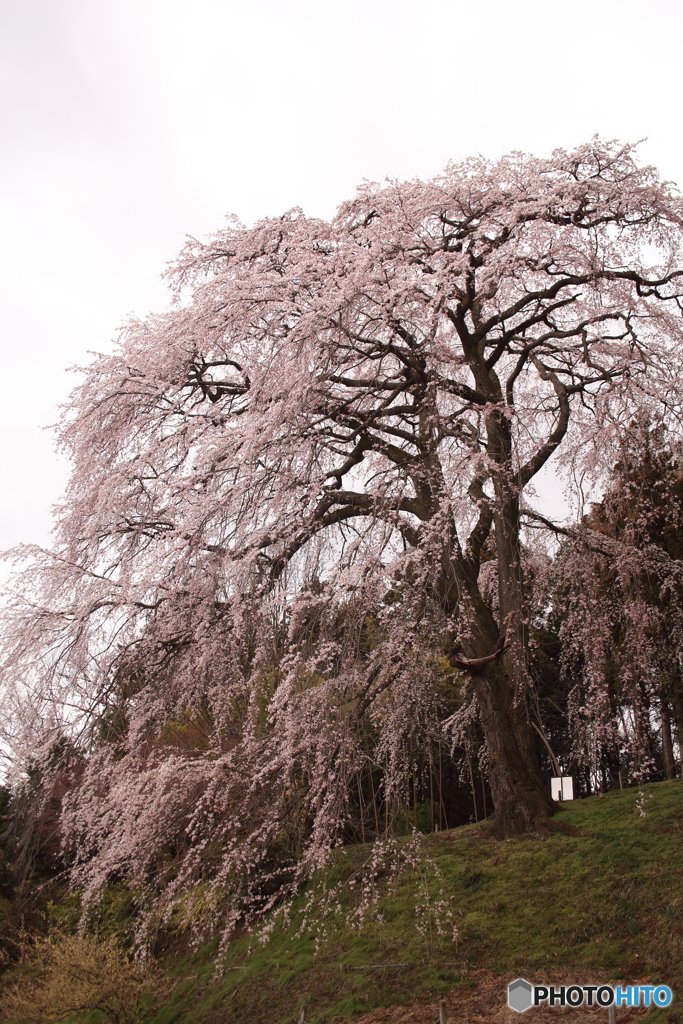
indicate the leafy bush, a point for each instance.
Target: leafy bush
{"x":70,"y":974}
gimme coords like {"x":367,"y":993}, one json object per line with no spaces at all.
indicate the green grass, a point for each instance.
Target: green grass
{"x":601,"y":897}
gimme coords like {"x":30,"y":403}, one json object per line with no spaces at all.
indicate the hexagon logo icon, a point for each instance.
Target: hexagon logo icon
{"x":520,"y":995}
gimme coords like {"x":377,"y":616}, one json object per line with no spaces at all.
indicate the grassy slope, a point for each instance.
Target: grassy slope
{"x":606,"y":903}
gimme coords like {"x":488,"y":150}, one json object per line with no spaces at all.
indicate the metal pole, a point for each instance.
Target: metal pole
{"x":612,"y":1015}
{"x":442,"y":1011}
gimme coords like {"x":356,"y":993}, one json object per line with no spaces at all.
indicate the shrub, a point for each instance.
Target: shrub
{"x":69,"y":974}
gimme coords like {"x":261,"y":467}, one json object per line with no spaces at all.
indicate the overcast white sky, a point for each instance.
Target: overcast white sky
{"x":126,"y":124}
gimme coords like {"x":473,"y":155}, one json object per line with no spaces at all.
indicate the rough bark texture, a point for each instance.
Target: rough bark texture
{"x":520,"y":798}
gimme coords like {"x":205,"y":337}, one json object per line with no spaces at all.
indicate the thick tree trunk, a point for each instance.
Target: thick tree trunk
{"x":520,"y":798}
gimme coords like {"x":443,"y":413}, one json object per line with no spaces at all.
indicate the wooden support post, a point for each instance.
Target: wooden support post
{"x":302,"y":1016}
{"x":612,"y":1015}
{"x":442,"y":1011}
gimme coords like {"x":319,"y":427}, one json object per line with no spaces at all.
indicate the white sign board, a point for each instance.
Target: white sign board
{"x":562,"y":788}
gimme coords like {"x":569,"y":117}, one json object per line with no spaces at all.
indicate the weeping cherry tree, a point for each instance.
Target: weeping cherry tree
{"x":336,"y":423}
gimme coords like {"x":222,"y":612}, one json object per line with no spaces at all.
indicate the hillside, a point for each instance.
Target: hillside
{"x":600,"y":898}
{"x":597,"y":899}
